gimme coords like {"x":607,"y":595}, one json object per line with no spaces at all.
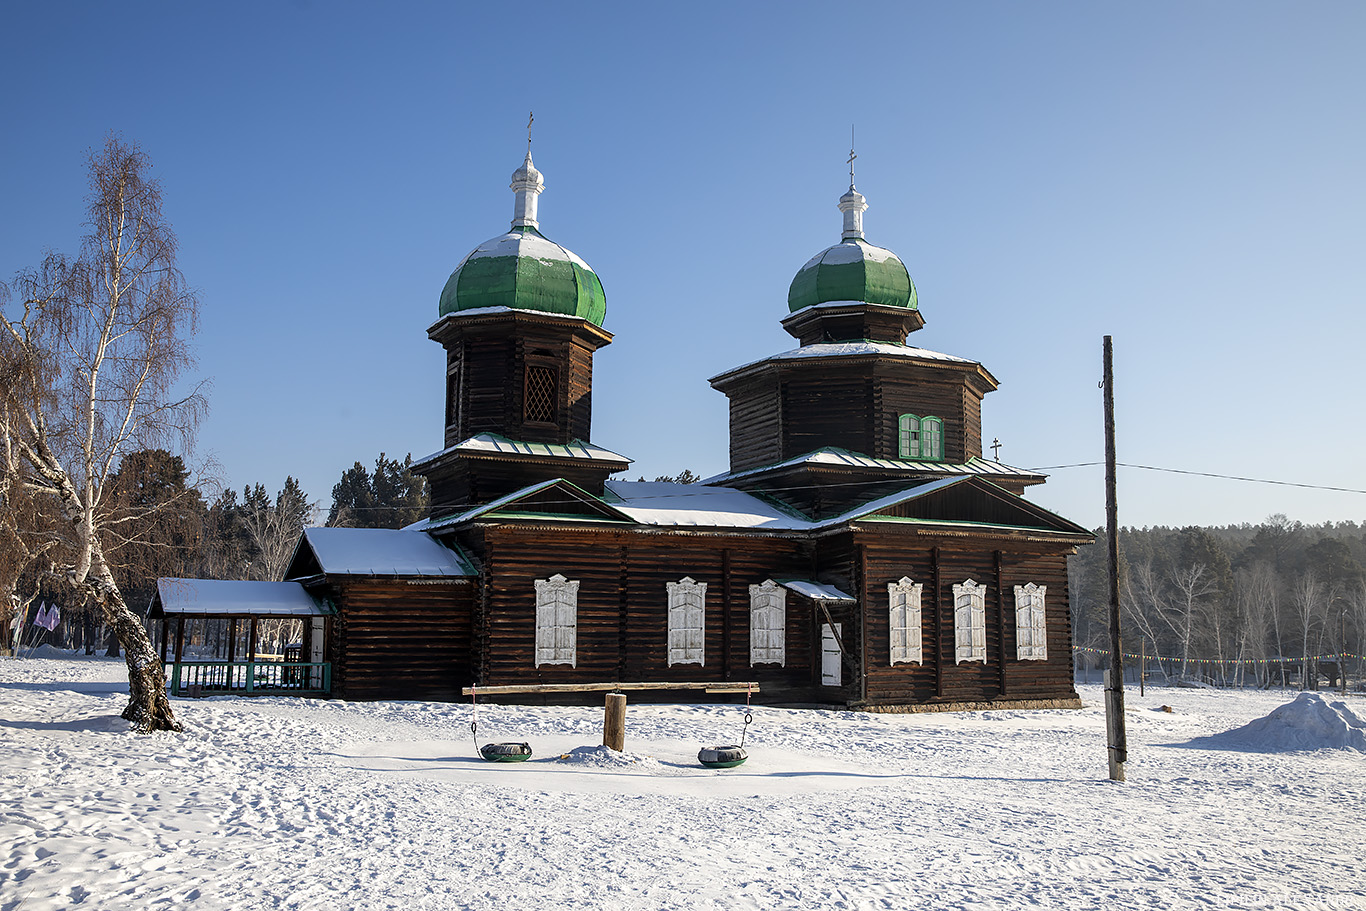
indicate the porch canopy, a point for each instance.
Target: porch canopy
{"x":229,"y":599}
{"x":234,"y":600}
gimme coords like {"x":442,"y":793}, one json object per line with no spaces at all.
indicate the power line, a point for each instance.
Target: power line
{"x":1207,"y":474}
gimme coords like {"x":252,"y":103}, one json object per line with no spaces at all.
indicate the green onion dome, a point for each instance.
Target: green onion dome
{"x":852,"y":270}
{"x":523,"y":270}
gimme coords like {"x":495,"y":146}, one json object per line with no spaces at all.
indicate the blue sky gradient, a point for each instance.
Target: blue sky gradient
{"x":1185,"y":177}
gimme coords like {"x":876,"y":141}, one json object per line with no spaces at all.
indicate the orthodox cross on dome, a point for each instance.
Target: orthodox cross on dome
{"x":852,"y":204}
{"x":526,"y":184}
{"x":852,"y":156}
{"x":996,"y":449}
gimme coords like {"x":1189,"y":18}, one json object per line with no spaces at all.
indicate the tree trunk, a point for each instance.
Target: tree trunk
{"x":148,"y":706}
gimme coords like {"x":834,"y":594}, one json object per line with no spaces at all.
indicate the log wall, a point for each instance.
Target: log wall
{"x":393,"y":639}
{"x":623,"y":606}
{"x":939,"y":678}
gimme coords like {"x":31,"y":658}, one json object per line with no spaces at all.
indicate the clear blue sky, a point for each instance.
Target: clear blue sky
{"x":1185,"y":177}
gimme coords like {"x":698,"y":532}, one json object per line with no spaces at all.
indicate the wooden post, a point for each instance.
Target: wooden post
{"x":1142,"y":664}
{"x":179,"y":637}
{"x":725,"y":615}
{"x":1118,"y":747}
{"x":863,"y":606}
{"x":614,"y":722}
{"x":1001,"y":622}
{"x":938,"y":626}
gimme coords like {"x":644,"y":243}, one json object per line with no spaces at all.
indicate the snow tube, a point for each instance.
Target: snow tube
{"x":726,"y":757}
{"x":506,"y":752}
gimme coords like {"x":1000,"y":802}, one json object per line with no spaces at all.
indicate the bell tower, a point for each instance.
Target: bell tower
{"x":520,"y":319}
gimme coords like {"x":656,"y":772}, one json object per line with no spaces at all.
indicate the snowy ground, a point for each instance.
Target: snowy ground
{"x":280,"y":803}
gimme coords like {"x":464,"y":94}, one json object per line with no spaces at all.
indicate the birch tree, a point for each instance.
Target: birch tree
{"x":94,"y":347}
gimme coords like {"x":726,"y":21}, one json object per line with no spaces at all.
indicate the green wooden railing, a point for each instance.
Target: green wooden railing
{"x":250,"y":678}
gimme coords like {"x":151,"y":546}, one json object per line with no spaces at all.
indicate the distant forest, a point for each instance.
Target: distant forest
{"x":1230,"y":605}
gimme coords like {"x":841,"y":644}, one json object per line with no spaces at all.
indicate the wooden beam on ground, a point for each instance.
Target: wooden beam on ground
{"x":725,"y":686}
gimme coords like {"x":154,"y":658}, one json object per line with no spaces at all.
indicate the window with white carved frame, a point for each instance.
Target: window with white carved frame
{"x":687,"y":613}
{"x":557,"y":608}
{"x":904,"y":616}
{"x":768,"y":623}
{"x":1031,"y":628}
{"x":970,"y":622}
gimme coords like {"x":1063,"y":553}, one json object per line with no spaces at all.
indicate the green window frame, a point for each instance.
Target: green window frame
{"x":908,"y":436}
{"x":932,"y":439}
{"x":920,"y":438}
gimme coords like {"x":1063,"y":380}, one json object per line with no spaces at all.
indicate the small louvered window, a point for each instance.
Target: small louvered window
{"x":540,"y":395}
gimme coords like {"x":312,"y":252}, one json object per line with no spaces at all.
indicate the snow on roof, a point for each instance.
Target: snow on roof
{"x":815,"y":591}
{"x":846,"y":458}
{"x":662,"y":503}
{"x":383,"y":552}
{"x":851,"y":349}
{"x":524,"y":243}
{"x":657,"y":503}
{"x":483,"y":311}
{"x":495,"y":443}
{"x":235,"y":598}
{"x":850,"y":251}
{"x":845,"y":303}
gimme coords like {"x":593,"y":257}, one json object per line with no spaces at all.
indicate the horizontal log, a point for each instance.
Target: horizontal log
{"x":723,"y":686}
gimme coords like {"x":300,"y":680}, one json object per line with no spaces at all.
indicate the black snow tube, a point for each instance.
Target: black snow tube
{"x":506,"y":752}
{"x":725,"y":757}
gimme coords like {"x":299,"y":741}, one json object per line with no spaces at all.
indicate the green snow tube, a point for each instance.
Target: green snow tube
{"x":505,"y":752}
{"x":724,"y":757}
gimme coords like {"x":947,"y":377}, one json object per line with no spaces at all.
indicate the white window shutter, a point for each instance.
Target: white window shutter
{"x":767,"y":623}
{"x":1031,"y":623}
{"x":687,"y":618}
{"x":557,"y":608}
{"x":904,"y":597}
{"x":970,"y":622}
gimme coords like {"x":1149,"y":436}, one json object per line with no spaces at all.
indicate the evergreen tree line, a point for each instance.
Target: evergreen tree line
{"x":1231,"y":605}
{"x":163,"y":525}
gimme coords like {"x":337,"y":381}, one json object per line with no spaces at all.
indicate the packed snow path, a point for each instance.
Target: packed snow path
{"x":296,"y":804}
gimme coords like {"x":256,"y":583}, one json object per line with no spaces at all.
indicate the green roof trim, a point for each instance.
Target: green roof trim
{"x":523,"y":270}
{"x":853,"y":270}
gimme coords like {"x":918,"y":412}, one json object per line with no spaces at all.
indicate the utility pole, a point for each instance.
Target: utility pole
{"x":1116,"y":738}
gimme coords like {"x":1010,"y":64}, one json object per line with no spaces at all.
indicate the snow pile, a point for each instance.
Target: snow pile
{"x":604,"y":757}
{"x":1309,"y":723}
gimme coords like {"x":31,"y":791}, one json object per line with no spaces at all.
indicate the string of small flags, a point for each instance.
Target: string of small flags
{"x":1225,"y":662}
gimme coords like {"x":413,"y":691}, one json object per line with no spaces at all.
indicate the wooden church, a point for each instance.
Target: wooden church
{"x":859,"y":552}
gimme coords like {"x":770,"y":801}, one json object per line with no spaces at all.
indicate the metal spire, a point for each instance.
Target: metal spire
{"x":530,"y":119}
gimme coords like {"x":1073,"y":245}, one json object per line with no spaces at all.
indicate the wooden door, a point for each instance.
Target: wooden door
{"x":831,"y":673}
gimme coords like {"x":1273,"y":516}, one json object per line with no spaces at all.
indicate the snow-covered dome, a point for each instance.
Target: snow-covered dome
{"x":852,"y":270}
{"x":523,"y":269}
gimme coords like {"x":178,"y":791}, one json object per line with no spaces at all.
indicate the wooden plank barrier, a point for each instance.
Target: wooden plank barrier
{"x":614,"y":709}
{"x":726,"y":686}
